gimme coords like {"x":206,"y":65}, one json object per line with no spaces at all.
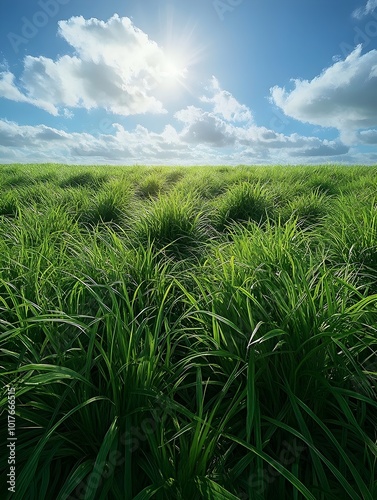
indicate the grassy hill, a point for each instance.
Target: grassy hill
{"x":189,"y":333}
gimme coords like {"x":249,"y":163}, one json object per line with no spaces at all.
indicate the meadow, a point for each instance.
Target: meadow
{"x":189,"y":333}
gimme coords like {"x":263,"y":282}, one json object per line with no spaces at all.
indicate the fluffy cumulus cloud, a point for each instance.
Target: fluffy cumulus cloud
{"x":201,"y":127}
{"x":218,"y":128}
{"x":361,"y":12}
{"x":114,"y":66}
{"x":215,"y":127}
{"x":225,"y":105}
{"x":343,"y":96}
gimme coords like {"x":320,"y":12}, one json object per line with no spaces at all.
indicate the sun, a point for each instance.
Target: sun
{"x":182,"y":48}
{"x":174,"y":70}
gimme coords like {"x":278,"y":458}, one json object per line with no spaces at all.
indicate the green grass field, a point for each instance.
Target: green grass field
{"x":189,"y":333}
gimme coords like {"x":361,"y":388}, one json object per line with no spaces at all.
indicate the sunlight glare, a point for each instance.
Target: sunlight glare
{"x":182,"y":51}
{"x":174,"y":70}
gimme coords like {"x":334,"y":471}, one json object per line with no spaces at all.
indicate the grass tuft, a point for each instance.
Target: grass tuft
{"x":174,"y":224}
{"x":243,"y":202}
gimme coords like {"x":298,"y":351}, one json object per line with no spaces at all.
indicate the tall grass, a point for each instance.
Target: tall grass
{"x":243,"y":202}
{"x":155,"y":355}
{"x":175,"y":224}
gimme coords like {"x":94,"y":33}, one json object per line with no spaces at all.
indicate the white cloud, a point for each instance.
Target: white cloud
{"x":368,"y":136}
{"x":225,"y":105}
{"x":201,"y":127}
{"x":262,"y":139}
{"x":343,"y":96}
{"x":202,"y":139}
{"x":369,"y":8}
{"x":42,"y":143}
{"x":9,"y":90}
{"x":322,"y":149}
{"x":115,"y":66}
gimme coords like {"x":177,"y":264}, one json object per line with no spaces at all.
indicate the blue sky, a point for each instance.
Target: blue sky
{"x":198,"y":82}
